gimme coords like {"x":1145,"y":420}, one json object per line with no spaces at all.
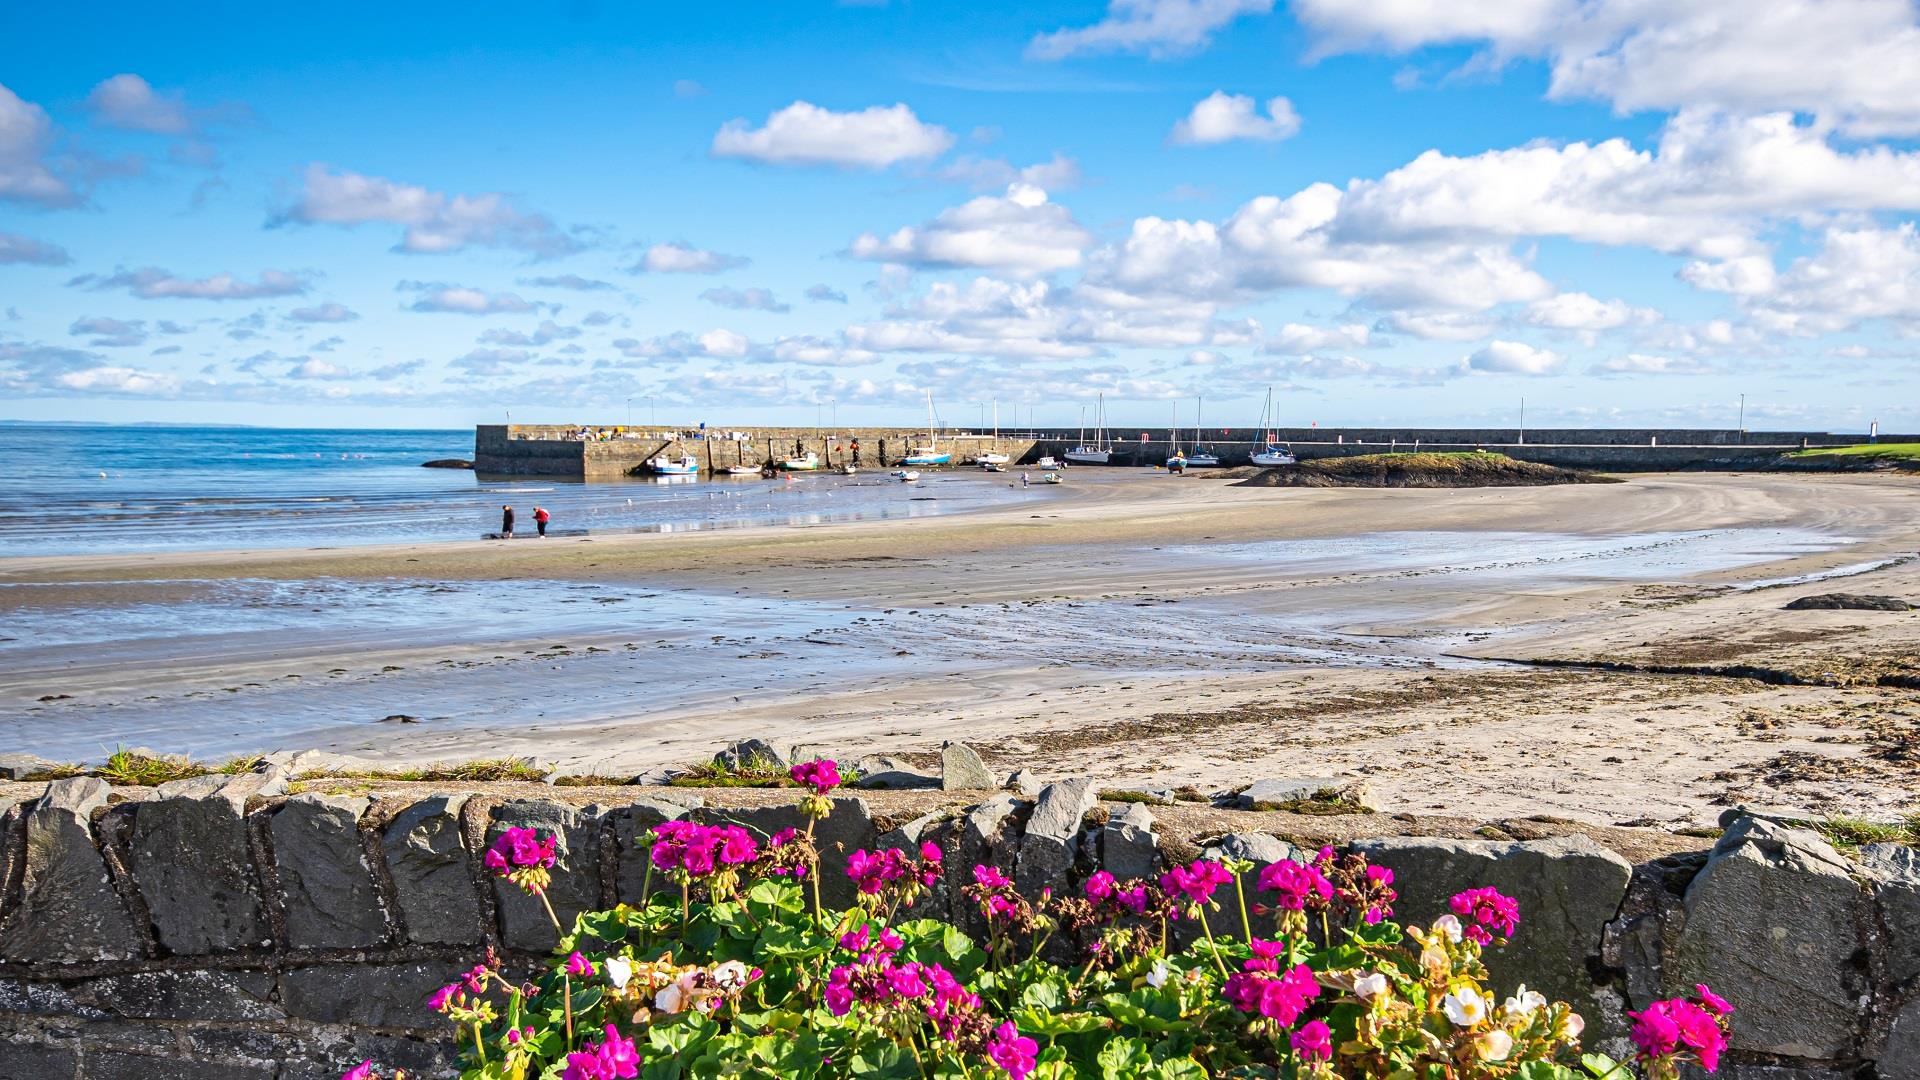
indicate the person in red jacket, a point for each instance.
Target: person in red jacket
{"x":540,"y":519}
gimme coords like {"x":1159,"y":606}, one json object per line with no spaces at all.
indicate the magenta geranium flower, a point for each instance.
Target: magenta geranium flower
{"x":1486,"y":914}
{"x":1299,"y":887}
{"x":1013,"y":1051}
{"x":822,"y":775}
{"x":1314,"y":1041}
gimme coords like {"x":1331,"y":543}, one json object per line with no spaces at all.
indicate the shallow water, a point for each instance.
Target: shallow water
{"x":100,"y":489}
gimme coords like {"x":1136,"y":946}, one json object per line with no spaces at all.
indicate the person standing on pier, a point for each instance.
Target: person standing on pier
{"x":506,"y":523}
{"x":856,"y":451}
{"x":540,"y":519}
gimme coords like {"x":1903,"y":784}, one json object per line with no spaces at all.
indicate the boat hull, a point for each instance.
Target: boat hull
{"x":1090,"y":457}
{"x":1202,"y":461}
{"x":927,"y":459}
{"x":1273,"y":457}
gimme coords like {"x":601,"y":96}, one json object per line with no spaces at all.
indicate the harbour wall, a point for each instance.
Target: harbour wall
{"x":553,"y":450}
{"x":217,"y":929}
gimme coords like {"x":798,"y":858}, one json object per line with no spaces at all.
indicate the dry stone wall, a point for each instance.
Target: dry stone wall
{"x":219,"y":929}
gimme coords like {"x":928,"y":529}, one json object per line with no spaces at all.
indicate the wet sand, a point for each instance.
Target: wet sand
{"x":1142,"y":628}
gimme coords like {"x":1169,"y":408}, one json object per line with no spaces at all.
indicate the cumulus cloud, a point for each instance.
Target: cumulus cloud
{"x":484,"y":363}
{"x":461,"y":300}
{"x":1857,"y":275}
{"x":1158,"y":28}
{"x":569,"y":281}
{"x":153,"y":283}
{"x":806,"y":134}
{"x":1514,"y":358}
{"x":1580,"y":311}
{"x":25,"y":250}
{"x":25,"y":173}
{"x":545,"y":334}
{"x":127,"y":101}
{"x":329,"y":312}
{"x":755,"y":299}
{"x":826,"y":294}
{"x":1057,"y":173}
{"x":1294,"y":339}
{"x":680,"y":345}
{"x":108,"y":332}
{"x":114,"y":379}
{"x":435,"y":223}
{"x":681,"y":258}
{"x":1222,"y":117}
{"x":314,"y":368}
{"x":1021,"y":232}
{"x":1856,"y":64}
{"x":1643,"y":364}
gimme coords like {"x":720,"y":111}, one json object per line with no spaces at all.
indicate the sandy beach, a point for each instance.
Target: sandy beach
{"x":1143,"y":628}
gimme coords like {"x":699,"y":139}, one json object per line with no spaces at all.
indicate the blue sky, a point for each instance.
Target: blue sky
{"x":1389,"y":212}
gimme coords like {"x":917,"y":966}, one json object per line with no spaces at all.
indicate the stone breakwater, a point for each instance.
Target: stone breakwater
{"x":220,"y":929}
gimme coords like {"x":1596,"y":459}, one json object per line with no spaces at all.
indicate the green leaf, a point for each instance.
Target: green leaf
{"x":1123,"y":1059}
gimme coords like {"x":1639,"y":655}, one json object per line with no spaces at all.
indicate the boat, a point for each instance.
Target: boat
{"x":987,"y":460}
{"x":1273,"y":453}
{"x":849,"y":470}
{"x":684,"y":465}
{"x":1048,"y":462}
{"x":1096,"y":452}
{"x":908,"y":475}
{"x":992,"y":466}
{"x":807,"y":462}
{"x":1176,"y":462}
{"x":1201,"y":458}
{"x":742,"y":470}
{"x":1050,"y":478}
{"x":929,"y":454}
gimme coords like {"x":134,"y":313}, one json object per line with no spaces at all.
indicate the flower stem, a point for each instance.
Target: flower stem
{"x":1212,"y":947}
{"x":479,"y":1047}
{"x":566,"y":995}
{"x":551,"y":917}
{"x":1240,"y":891}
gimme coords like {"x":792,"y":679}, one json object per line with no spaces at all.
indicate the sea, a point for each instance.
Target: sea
{"x":88,"y":489}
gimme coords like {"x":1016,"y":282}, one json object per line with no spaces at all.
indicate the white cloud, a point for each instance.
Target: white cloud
{"x":1856,"y":276}
{"x":1580,"y":311}
{"x":680,"y":345}
{"x":826,"y":294}
{"x":329,"y":312}
{"x":25,"y":250}
{"x":482,"y":363}
{"x":813,"y":352}
{"x":1642,"y":364}
{"x":153,"y":283}
{"x":435,"y":222}
{"x":569,"y":281}
{"x":1296,"y":338}
{"x":1222,"y":117}
{"x":110,"y":333}
{"x":25,"y":134}
{"x":546,"y":333}
{"x":314,"y":368}
{"x":1442,"y":325}
{"x":1514,"y":358}
{"x":1855,"y":63}
{"x":461,"y":300}
{"x":110,"y":379}
{"x":806,"y":134}
{"x":1021,"y":232}
{"x":1158,"y":28}
{"x":1058,"y":173}
{"x":755,"y":299}
{"x":679,"y":258}
{"x":127,"y":101}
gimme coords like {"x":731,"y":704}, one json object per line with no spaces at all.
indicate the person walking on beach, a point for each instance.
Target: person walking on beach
{"x":1025,"y":478}
{"x":540,"y":519}
{"x":506,"y":523}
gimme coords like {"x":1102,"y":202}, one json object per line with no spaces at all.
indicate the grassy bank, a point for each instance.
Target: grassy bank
{"x":1907,"y":454}
{"x":1424,"y":470}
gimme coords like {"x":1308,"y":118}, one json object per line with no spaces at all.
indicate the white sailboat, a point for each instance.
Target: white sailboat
{"x":684,"y":465}
{"x":1273,"y":453}
{"x":1201,"y":458}
{"x":929,"y":454}
{"x":1097,"y":452}
{"x":807,"y":462}
{"x":993,"y":457}
{"x":1175,"y":460}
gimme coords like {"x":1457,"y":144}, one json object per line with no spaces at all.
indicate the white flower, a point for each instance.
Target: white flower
{"x":1525,"y":1002}
{"x":1368,"y":987}
{"x":1572,"y":1026}
{"x":670,"y":999}
{"x":1465,"y":1007}
{"x":1448,"y":925}
{"x":1157,"y":978}
{"x":619,"y":970}
{"x":731,"y":974}
{"x":1493,"y":1045}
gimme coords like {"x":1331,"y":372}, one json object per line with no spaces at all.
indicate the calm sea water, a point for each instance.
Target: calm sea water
{"x":68,"y":490}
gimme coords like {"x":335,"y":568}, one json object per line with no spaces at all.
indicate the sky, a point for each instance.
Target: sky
{"x":1619,"y":212}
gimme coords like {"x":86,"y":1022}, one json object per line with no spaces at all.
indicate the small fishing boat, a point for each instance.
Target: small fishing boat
{"x":1176,"y":462}
{"x":989,"y":460}
{"x":849,"y":470}
{"x":908,"y":475}
{"x":992,"y":466}
{"x":1273,"y":453}
{"x":684,"y":465}
{"x":742,"y":470}
{"x":1097,"y":452}
{"x":807,"y":462}
{"x":1050,"y":478}
{"x":1047,"y":462}
{"x":929,"y":454}
{"x":1202,"y":457}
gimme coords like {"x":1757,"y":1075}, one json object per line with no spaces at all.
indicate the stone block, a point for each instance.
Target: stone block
{"x":630,"y":826}
{"x":1128,"y":846}
{"x":1774,"y":924}
{"x":746,"y":753}
{"x":1046,"y":851}
{"x":847,"y":828}
{"x":116,"y":1065}
{"x":68,"y":909}
{"x":22,"y":766}
{"x":1568,"y":889}
{"x":182,"y":995}
{"x":189,"y":855}
{"x":1276,"y":794}
{"x":326,"y":881}
{"x":1257,"y":848}
{"x":28,"y":1061}
{"x":368,"y":995}
{"x":432,"y":879}
{"x":1894,"y":871}
{"x":576,"y":875}
{"x":1025,"y":782}
{"x":962,"y":770}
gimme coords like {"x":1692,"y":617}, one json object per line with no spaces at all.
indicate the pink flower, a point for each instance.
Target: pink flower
{"x":1196,"y":881}
{"x":737,"y":846}
{"x":931,"y":852}
{"x":1013,"y":1051}
{"x":1277,"y":997}
{"x":1486,"y":911}
{"x":1711,"y":1001}
{"x":783,"y":837}
{"x":1654,"y":1031}
{"x":518,"y":848}
{"x":991,"y":877}
{"x":1300,"y":887}
{"x":362,"y":1071}
{"x":1700,"y":1030}
{"x":578,"y":966}
{"x":618,"y":1056}
{"x":442,"y":997}
{"x":822,"y":775}
{"x":583,"y":1065}
{"x":1314,"y":1041}
{"x":1100,"y":886}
